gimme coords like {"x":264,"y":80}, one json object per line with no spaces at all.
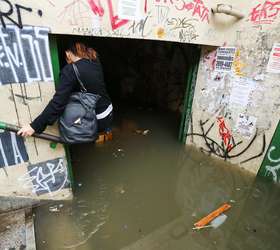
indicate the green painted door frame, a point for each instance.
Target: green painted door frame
{"x":270,"y":168}
{"x":56,"y":69}
{"x":189,"y":95}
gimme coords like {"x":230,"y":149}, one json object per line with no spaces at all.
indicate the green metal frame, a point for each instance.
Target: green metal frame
{"x":56,"y":70}
{"x":274,"y":144}
{"x":189,"y":95}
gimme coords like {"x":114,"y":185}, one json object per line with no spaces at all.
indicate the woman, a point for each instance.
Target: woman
{"x":91,"y":74}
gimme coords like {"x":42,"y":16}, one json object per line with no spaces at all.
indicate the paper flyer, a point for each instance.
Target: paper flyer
{"x":273,"y":65}
{"x":224,"y":59}
{"x":129,"y":9}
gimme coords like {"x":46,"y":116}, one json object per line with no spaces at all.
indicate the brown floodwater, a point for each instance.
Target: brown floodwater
{"x":146,"y":191}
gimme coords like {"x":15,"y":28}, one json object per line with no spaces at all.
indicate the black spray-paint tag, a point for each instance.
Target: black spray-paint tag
{"x":24,"y":55}
{"x":12,"y":150}
{"x":47,"y":177}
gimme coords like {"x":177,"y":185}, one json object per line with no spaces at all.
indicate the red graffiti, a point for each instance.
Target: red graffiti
{"x":115,"y":21}
{"x":225,"y":133}
{"x":265,"y":13}
{"x":97,"y":9}
{"x":197,"y":7}
{"x":145,"y":6}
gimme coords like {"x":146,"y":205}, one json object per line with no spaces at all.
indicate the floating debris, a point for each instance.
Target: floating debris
{"x":218,"y":221}
{"x":145,"y":132}
{"x":120,"y":152}
{"x":119,"y":189}
{"x":142,"y":131}
{"x":54,"y":209}
{"x":210,"y":217}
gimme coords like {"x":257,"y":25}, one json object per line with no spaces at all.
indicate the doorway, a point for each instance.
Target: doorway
{"x":142,"y":75}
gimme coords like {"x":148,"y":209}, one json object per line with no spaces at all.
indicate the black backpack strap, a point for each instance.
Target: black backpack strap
{"x":77,"y":73}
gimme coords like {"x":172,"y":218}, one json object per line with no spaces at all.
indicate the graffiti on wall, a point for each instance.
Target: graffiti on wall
{"x":231,"y":128}
{"x":186,"y":28}
{"x":77,"y":14}
{"x":225,"y":133}
{"x":12,"y":13}
{"x":46,"y":177}
{"x":98,"y":9}
{"x":265,"y":13}
{"x":227,"y":148}
{"x":197,"y":8}
{"x":273,"y":168}
{"x":24,"y":54}
{"x":12,"y":150}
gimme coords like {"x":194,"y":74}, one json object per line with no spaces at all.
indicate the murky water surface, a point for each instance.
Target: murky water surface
{"x":146,"y":191}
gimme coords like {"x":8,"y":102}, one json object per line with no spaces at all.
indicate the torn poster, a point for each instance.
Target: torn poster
{"x":245,"y":125}
{"x":129,"y":9}
{"x":273,"y":65}
{"x":224,"y":59}
{"x":241,"y":89}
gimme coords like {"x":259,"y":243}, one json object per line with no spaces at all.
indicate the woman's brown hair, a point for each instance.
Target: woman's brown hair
{"x":81,"y":50}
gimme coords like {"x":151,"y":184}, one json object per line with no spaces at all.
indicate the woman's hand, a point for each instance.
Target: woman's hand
{"x":26,"y":130}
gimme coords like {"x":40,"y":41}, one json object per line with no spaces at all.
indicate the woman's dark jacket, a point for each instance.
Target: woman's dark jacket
{"x":91,"y":74}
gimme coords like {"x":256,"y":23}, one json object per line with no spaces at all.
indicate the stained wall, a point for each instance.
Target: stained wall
{"x":236,"y":111}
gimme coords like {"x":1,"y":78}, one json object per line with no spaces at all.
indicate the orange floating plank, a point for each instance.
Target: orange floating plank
{"x":207,"y":219}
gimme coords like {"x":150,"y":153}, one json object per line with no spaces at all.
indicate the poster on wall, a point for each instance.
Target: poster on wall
{"x":273,"y":65}
{"x":224,"y":59}
{"x":241,"y":89}
{"x":129,"y":9}
{"x":245,"y":125}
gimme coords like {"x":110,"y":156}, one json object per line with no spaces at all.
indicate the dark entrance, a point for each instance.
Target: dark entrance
{"x":143,"y":74}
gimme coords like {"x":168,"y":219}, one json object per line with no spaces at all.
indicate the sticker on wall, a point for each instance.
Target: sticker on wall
{"x":238,"y":65}
{"x":241,"y":89}
{"x":245,"y":125}
{"x":129,"y":9}
{"x":224,"y":59}
{"x":273,"y":65}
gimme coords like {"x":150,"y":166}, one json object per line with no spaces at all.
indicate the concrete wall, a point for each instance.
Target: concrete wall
{"x":235,"y":113}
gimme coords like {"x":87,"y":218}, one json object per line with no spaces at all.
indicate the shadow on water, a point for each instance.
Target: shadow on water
{"x":145,"y":192}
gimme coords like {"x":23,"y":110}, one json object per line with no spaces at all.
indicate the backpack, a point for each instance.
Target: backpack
{"x":78,"y":123}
